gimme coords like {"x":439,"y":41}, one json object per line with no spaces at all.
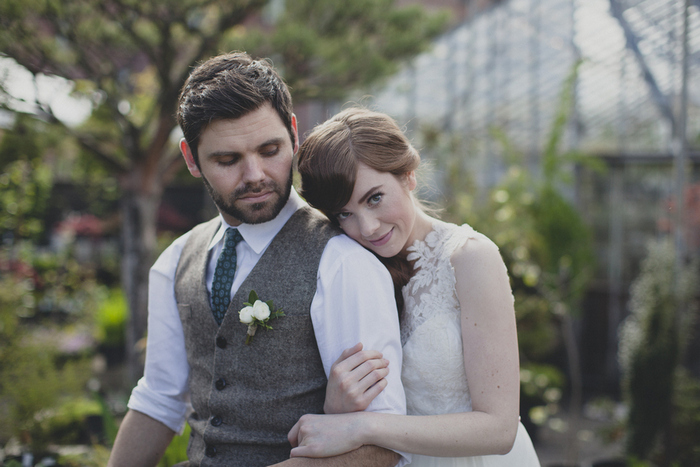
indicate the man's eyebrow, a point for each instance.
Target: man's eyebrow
{"x":369,"y":192}
{"x":215,"y":154}
{"x":272,"y":141}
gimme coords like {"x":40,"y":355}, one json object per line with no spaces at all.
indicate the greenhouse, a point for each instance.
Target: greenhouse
{"x":634,"y":69}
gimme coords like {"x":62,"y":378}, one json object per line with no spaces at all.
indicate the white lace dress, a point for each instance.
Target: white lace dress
{"x":433,"y":359}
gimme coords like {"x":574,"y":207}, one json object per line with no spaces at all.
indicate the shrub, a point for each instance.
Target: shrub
{"x":652,"y":342}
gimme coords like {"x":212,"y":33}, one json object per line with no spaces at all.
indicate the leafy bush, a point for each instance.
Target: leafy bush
{"x":652,"y":343}
{"x":111,"y":320}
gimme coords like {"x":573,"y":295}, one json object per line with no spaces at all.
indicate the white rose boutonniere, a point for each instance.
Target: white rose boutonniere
{"x":257,"y":313}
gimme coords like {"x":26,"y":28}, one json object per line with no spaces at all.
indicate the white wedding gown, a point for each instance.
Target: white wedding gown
{"x":433,"y":359}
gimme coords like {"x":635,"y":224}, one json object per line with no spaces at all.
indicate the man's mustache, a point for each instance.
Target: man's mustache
{"x":254,"y":188}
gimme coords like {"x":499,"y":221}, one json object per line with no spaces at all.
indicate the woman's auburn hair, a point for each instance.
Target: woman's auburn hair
{"x":329,"y":158}
{"x":330,"y":155}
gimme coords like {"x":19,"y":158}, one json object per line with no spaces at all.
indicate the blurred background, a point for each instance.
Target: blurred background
{"x":568,"y":131}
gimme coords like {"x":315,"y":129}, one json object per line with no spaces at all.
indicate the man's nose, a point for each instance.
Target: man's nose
{"x":253,"y":169}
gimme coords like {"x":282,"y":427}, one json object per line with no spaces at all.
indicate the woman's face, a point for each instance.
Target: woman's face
{"x":380,"y":215}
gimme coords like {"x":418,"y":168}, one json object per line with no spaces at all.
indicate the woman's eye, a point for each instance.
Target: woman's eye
{"x":342,"y":216}
{"x":375,"y":199}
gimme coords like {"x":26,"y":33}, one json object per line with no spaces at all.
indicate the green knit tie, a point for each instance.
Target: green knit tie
{"x":223,"y":274}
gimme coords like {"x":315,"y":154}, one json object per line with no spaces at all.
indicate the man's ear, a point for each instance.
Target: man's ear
{"x":296,"y":133}
{"x":189,"y":159}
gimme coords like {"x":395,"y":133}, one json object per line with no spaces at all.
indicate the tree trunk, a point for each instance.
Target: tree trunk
{"x":139,"y":211}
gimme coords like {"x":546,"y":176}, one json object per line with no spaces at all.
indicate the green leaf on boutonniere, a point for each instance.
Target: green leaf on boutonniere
{"x":252,"y":297}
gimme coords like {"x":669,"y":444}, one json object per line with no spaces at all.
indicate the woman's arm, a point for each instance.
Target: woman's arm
{"x":491,"y":363}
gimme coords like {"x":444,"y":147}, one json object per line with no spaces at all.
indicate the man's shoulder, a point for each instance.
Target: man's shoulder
{"x":169,"y":258}
{"x":342,"y":250}
{"x":314,"y":221}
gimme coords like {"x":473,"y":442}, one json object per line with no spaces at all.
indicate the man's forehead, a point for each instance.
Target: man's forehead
{"x":245,"y":133}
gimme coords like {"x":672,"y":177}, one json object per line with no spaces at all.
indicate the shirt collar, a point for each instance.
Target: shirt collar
{"x":258,"y":236}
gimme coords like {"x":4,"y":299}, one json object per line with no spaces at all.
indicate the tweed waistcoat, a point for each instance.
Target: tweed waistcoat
{"x":247,"y":397}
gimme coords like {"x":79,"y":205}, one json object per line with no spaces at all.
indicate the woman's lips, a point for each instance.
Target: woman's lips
{"x":383,"y":239}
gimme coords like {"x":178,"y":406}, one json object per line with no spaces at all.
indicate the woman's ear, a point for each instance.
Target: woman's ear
{"x":411,"y":180}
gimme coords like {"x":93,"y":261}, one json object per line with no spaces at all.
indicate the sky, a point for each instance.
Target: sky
{"x":55,"y":92}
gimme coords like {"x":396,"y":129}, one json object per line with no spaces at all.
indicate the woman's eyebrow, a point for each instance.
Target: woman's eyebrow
{"x":369,"y":192}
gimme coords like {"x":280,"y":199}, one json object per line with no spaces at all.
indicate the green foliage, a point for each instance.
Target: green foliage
{"x":652,"y":342}
{"x":546,"y":245}
{"x":109,"y":423}
{"x":66,"y":424}
{"x":538,"y":335}
{"x":34,"y":386}
{"x":540,"y":391}
{"x":97,"y":456}
{"x":545,"y":242}
{"x":325,"y":48}
{"x":24,"y":189}
{"x":36,"y":377}
{"x":129,"y":59}
{"x":111,"y":320}
{"x":177,"y":449}
{"x":686,"y":420}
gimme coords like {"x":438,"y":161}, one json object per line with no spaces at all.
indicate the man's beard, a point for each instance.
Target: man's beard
{"x":252,"y":213}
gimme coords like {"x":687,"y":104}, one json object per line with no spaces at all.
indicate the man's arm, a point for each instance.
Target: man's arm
{"x":141,"y":441}
{"x":366,"y":456}
{"x":157,"y":404}
{"x":354,"y":302}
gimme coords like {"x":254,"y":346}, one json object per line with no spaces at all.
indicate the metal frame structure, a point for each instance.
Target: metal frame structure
{"x":637,"y":98}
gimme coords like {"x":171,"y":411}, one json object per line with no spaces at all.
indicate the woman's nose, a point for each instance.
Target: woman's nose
{"x":368,"y":225}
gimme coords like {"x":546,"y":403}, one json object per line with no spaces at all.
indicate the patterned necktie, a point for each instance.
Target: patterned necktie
{"x":223,"y":274}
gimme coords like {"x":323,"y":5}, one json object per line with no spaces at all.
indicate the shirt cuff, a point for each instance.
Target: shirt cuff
{"x":405,"y":458}
{"x":170,"y":412}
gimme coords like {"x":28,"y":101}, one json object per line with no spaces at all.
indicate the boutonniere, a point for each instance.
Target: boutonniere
{"x":257,"y":313}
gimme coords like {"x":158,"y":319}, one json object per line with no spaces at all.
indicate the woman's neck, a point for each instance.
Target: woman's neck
{"x":422,"y":226}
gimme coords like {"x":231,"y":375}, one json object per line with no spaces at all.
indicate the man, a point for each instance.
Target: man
{"x":240,"y":137}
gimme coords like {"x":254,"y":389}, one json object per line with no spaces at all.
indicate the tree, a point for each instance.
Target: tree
{"x":132,"y":56}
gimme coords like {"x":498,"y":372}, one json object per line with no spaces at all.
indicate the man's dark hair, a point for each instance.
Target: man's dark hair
{"x":230,"y":86}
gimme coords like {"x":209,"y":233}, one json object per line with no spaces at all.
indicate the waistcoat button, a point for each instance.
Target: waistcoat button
{"x":210,"y":451}
{"x":220,"y":384}
{"x":221,"y":342}
{"x":216,"y":420}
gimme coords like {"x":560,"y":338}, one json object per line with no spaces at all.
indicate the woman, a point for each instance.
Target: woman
{"x":460,"y":353}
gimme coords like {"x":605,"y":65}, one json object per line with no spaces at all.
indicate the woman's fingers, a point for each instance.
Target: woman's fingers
{"x":351,"y":376}
{"x":355,"y":359}
{"x":293,"y":435}
{"x":348,"y":352}
{"x":324,"y":435}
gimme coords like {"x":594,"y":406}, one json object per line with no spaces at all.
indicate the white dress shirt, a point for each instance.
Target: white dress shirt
{"x":354,"y":302}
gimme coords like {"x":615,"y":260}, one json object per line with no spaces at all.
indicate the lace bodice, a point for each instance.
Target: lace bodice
{"x":433,"y":364}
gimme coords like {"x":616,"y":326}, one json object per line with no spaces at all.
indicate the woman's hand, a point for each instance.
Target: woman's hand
{"x":355,"y":379}
{"x":326,"y":435}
